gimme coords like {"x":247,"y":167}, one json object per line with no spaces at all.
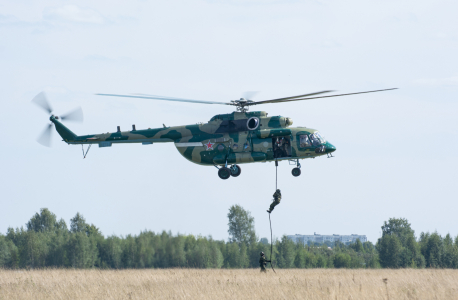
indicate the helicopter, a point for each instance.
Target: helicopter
{"x":225,"y":142}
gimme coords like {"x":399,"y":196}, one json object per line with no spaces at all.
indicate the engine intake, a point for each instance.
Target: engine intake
{"x":252,"y":123}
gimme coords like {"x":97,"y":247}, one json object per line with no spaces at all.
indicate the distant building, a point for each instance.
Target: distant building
{"x":321,"y":239}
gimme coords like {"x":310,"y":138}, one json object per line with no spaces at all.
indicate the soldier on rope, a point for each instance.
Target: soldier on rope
{"x":277,"y":199}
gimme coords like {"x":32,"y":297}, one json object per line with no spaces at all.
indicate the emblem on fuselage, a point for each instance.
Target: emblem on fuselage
{"x":209,"y":145}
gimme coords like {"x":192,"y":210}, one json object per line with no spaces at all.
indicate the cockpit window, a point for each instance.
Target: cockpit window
{"x":320,"y":137}
{"x":317,"y":139}
{"x":304,"y":141}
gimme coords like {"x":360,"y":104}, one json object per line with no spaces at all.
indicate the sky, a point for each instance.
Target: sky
{"x":396,"y":150}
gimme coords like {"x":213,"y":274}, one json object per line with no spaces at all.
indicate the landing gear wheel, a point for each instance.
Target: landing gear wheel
{"x":224,"y":173}
{"x":236,"y":170}
{"x":296,"y":172}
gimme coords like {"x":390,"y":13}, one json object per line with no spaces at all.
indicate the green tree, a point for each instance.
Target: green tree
{"x":216,"y":257}
{"x":243,"y":258}
{"x":232,"y":259}
{"x":433,"y":250}
{"x":299,"y":260}
{"x":358,"y":246}
{"x":78,"y":223}
{"x":398,"y":247}
{"x":129,"y":252}
{"x":33,"y":248}
{"x":321,"y":261}
{"x":399,"y":227}
{"x":449,"y":258}
{"x":411,"y":256}
{"x":372,"y":260}
{"x":82,"y":252}
{"x":205,"y":254}
{"x":5,"y":255}
{"x":342,"y":260}
{"x":357,"y":260}
{"x":286,"y":253}
{"x":57,"y":255}
{"x":389,"y":247}
{"x":176,"y":256}
{"x":310,"y":260}
{"x":241,"y":225}
{"x":43,"y":221}
{"x":111,"y":252}
{"x":91,"y":230}
{"x":61,"y":225}
{"x":145,"y":250}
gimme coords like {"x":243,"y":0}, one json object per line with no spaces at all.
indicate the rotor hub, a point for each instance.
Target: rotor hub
{"x":242,"y":105}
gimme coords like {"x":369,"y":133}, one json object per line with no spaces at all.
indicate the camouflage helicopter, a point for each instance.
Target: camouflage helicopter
{"x":226,"y":141}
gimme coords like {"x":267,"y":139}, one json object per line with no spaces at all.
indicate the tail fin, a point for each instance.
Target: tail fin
{"x":63,"y":131}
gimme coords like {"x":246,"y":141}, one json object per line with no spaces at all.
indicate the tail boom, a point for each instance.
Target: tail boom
{"x":146,"y":136}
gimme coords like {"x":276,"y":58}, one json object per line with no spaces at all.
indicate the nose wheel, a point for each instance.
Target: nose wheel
{"x":296,"y":171}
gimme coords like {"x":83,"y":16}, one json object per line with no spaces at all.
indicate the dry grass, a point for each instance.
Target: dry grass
{"x":229,"y":284}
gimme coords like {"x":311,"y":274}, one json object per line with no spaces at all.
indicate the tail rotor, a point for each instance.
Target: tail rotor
{"x":75,"y":115}
{"x":45,"y":137}
{"x":42,"y":101}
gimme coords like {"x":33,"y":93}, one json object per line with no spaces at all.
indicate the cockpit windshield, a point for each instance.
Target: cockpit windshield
{"x":320,"y":137}
{"x":317,"y":139}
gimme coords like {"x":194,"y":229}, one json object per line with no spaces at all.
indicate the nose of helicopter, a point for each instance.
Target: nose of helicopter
{"x":330,"y":148}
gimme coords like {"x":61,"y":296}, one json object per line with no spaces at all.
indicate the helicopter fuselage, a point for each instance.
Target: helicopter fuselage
{"x":236,"y":138}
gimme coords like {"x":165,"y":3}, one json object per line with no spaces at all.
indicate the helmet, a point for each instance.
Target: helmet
{"x":262,"y":253}
{"x":278,"y":190}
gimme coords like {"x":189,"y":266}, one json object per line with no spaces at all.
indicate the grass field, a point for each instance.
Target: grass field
{"x":229,"y":284}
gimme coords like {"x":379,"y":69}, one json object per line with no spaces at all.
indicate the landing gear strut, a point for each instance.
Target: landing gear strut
{"x":296,"y":171}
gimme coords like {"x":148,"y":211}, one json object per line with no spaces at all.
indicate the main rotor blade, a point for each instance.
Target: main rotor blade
{"x":75,"y":115}
{"x":292,"y":97}
{"x":309,"y":98}
{"x":45,"y":137}
{"x":143,"y":96}
{"x":42,"y":101}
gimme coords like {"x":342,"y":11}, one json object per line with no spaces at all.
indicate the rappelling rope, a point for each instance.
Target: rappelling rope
{"x":270,"y":222}
{"x":271,"y":246}
{"x":276,"y":176}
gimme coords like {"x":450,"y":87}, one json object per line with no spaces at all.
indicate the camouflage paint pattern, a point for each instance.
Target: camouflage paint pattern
{"x":238,"y":138}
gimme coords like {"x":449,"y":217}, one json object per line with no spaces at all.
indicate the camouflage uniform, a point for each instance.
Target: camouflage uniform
{"x":263,"y":262}
{"x":277,"y":199}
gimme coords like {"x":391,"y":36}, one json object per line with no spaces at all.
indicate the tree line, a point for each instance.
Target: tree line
{"x":48,"y":242}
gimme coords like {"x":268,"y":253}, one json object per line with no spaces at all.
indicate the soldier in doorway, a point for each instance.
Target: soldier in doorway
{"x":277,"y":148}
{"x":277,"y":199}
{"x":285,"y":147}
{"x":263,"y":262}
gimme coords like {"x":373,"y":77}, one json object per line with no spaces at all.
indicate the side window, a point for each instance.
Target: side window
{"x":304,"y":141}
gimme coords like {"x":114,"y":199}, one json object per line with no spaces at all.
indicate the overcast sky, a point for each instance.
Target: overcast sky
{"x":396,"y":151}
